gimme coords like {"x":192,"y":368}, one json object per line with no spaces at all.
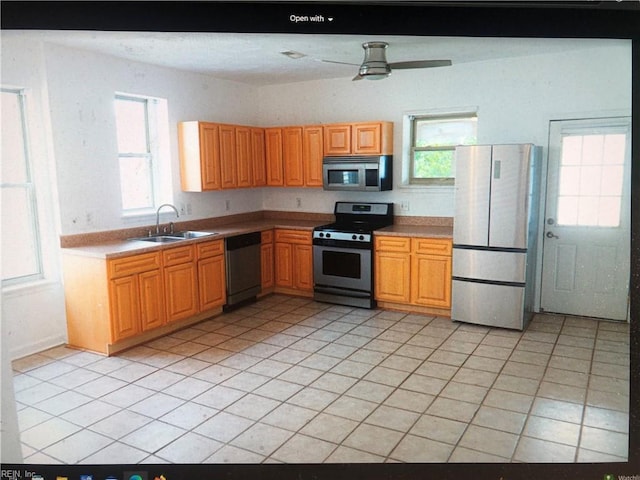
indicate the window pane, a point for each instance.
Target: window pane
{"x":433,"y":164}
{"x":19,"y":241}
{"x":591,"y":180}
{"x":131,"y":123}
{"x":136,"y":182}
{"x":14,"y":163}
{"x":445,"y":132}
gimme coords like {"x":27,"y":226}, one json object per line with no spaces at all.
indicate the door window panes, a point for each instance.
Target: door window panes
{"x":591,"y":180}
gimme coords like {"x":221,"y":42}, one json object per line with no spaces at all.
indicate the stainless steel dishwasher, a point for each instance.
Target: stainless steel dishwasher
{"x":243,"y":268}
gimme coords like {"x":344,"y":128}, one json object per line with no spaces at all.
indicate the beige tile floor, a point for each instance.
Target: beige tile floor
{"x":291,"y":380}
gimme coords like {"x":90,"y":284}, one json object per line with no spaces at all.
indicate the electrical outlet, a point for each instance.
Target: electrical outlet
{"x":227,"y":205}
{"x":298,"y":202}
{"x":183,"y":209}
{"x":404,"y":205}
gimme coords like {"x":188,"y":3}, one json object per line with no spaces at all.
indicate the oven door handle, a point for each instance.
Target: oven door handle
{"x":348,"y":292}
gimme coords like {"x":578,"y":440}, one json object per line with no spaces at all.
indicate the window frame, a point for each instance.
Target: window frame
{"x":413,"y":119}
{"x":31,"y":194}
{"x":151,"y":129}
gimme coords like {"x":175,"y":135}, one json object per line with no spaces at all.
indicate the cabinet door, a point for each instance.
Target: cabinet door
{"x":210,"y":156}
{"x":266,"y":253}
{"x":228,"y":171}
{"x":211,"y":282}
{"x":244,"y":165}
{"x":337,"y":139}
{"x":303,"y":267}
{"x":258,"y":157}
{"x":199,"y":152}
{"x":312,"y":155}
{"x":392,"y":276}
{"x":181,"y":292}
{"x":431,"y":280}
{"x":125,"y":307}
{"x":273,"y":144}
{"x":284,"y":265}
{"x":152,"y":311}
{"x":292,"y":156}
{"x":366,"y":138}
{"x":374,"y":138}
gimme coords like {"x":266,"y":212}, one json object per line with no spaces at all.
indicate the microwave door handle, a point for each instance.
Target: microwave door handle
{"x":362,"y":177}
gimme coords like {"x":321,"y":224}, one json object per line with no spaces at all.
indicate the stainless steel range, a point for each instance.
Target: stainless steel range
{"x":343,"y":253}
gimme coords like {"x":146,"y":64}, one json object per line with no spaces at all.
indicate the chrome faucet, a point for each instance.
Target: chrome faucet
{"x":158,"y":215}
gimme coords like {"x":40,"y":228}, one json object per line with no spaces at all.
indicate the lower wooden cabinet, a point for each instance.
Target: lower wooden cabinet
{"x":211,"y":275}
{"x":293,"y":262}
{"x":135,"y":295}
{"x":113,"y":303}
{"x":267,"y":259}
{"x":413,"y":272}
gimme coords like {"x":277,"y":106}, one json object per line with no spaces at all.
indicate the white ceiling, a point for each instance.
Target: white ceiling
{"x":256,"y":59}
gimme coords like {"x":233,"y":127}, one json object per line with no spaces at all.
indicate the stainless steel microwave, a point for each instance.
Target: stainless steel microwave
{"x":358,"y":173}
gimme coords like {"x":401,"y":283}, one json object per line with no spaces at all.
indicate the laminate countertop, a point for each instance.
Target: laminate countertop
{"x":121,"y":248}
{"x":422,"y":231}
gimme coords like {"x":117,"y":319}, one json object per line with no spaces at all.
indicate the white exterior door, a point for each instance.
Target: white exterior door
{"x":586,"y":243}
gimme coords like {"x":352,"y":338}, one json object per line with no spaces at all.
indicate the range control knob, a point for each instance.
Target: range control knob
{"x":354,"y":237}
{"x":328,"y":235}
{"x":361,"y":237}
{"x":321,"y":235}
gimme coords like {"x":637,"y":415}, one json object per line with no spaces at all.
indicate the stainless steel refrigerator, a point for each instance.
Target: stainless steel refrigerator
{"x":495,"y":234}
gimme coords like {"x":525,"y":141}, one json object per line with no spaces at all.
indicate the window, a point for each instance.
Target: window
{"x":21,"y":259}
{"x":138,"y":123}
{"x":591,"y":179}
{"x":433,"y":142}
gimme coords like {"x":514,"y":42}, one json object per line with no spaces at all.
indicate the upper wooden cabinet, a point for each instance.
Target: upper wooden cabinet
{"x":273,"y":147}
{"x":228,"y":164}
{"x":337,"y":139}
{"x":199,"y":148}
{"x":312,"y":153}
{"x":244,"y":153}
{"x":258,"y":154}
{"x":292,"y":156}
{"x":369,"y":138}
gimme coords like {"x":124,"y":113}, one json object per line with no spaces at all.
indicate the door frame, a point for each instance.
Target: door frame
{"x":544,"y":174}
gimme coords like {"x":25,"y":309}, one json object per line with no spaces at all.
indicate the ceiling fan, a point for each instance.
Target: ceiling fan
{"x":376,"y":67}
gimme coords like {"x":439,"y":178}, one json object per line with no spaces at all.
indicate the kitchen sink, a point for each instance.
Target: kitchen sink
{"x":174,"y":237}
{"x":192,"y":234}
{"x":160,"y":239}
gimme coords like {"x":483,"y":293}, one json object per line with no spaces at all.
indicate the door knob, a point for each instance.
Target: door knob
{"x":552,"y":235}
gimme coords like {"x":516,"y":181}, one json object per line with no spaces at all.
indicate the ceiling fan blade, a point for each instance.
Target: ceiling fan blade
{"x":357,"y":77}
{"x":341,"y":63}
{"x":420,"y":64}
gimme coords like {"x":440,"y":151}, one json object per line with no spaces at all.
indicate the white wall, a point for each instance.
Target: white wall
{"x":515,"y":99}
{"x":82,"y":86}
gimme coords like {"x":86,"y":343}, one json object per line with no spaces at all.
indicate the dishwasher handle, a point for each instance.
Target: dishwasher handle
{"x":243,"y":241}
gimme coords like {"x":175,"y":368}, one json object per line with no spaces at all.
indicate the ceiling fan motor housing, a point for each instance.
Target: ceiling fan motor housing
{"x":375,"y":62}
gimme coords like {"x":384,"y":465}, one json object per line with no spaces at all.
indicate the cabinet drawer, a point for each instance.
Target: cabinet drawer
{"x":267,"y":236}
{"x":393,"y":244}
{"x":293,"y":236}
{"x":175,"y":256}
{"x":431,"y":246}
{"x":121,"y":267}
{"x":210,"y":249}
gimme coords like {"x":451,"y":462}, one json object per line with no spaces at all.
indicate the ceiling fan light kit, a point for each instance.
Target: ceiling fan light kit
{"x":374,"y":66}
